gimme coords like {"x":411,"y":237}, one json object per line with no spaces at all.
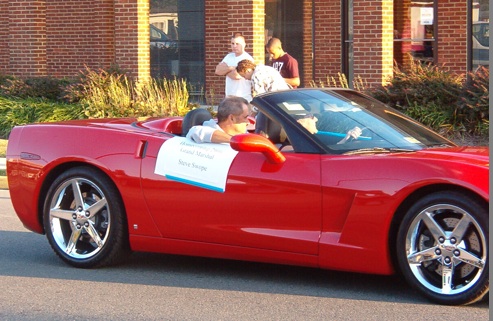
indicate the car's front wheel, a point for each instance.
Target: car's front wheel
{"x":84,"y":219}
{"x":442,"y":248}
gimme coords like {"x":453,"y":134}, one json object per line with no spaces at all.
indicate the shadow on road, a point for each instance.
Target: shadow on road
{"x":26,"y":254}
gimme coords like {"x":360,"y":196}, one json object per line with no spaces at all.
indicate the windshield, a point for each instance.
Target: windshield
{"x":346,"y":120}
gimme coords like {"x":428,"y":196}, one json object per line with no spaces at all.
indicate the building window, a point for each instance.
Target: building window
{"x":284,"y":20}
{"x":414,"y":31}
{"x":480,"y":33}
{"x":177,"y":41}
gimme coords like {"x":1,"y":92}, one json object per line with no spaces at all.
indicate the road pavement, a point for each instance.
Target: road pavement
{"x":36,"y":285}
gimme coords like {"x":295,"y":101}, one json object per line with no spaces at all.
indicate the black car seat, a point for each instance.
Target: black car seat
{"x":193,"y":118}
{"x":265,"y":126}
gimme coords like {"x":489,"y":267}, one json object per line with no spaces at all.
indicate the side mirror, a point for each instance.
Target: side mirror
{"x":257,"y":143}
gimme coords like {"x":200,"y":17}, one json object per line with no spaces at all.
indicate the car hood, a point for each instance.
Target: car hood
{"x":478,"y":155}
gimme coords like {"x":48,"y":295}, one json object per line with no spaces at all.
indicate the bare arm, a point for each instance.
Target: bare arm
{"x":292,"y":70}
{"x":351,"y":134}
{"x":218,"y":136}
{"x":293,"y":82}
{"x":207,"y":134}
{"x":222,"y":69}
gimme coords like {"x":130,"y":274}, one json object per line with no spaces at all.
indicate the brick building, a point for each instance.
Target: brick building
{"x":355,"y":37}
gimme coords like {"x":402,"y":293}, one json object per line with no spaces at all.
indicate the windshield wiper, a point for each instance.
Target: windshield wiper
{"x":442,"y":145}
{"x":378,"y":150}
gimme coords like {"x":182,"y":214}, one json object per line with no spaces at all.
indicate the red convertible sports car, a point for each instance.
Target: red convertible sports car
{"x":399,"y":198}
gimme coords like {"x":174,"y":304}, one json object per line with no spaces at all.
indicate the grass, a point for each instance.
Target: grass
{"x":3,"y":182}
{"x":3,"y":177}
{"x":3,"y":147}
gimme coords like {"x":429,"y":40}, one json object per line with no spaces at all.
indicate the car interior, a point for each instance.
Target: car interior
{"x":193,"y":118}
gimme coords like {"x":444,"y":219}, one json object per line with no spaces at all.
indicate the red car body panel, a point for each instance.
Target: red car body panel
{"x":330,"y":211}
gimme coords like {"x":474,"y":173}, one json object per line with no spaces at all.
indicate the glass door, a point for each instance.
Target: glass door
{"x":415,"y":30}
{"x":284,"y":20}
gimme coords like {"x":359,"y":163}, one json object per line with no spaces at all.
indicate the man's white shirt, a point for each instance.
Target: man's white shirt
{"x":241,"y":87}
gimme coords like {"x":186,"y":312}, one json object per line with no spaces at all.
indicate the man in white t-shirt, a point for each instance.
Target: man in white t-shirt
{"x":236,"y":85}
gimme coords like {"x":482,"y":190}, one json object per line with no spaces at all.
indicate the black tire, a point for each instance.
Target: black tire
{"x":442,"y":248}
{"x":86,"y":229}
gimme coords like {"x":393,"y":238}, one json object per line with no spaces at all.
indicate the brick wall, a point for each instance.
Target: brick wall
{"x":373,"y":41}
{"x":79,"y":32}
{"x":452,"y":35}
{"x":307,"y":75}
{"x":387,"y":41}
{"x":59,"y":37}
{"x":327,"y":39}
{"x":372,"y":34}
{"x":4,"y":36}
{"x":222,"y":19}
{"x":132,"y":37}
{"x":217,"y":45}
{"x":27,"y":37}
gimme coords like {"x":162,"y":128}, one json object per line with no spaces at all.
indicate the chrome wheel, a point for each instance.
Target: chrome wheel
{"x":445,"y":246}
{"x":79,"y":218}
{"x":83,"y":218}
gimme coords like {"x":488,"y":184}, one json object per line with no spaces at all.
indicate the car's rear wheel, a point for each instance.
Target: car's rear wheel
{"x":442,"y":248}
{"x":84,"y":219}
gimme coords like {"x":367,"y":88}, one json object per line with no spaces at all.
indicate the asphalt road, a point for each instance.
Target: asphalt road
{"x":36,"y":285}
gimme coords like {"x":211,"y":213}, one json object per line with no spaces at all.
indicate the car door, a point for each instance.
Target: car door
{"x":264,"y":205}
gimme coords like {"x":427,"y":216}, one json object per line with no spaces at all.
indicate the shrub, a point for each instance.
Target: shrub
{"x":162,"y":97}
{"x":24,"y":111}
{"x":15,"y":113}
{"x":446,"y":102}
{"x":106,"y":94}
{"x":475,"y":100}
{"x":432,"y":116}
{"x":340,"y":82}
{"x":77,"y":89}
{"x":420,"y":84}
{"x":38,"y":87}
{"x":93,"y":94}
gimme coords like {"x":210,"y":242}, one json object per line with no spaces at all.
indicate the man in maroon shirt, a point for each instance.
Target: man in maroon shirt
{"x":283,"y":62}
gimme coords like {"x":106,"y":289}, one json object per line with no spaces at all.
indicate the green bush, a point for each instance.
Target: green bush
{"x":475,"y":101}
{"x":3,"y":147}
{"x":340,"y":82}
{"x":38,"y":87}
{"x":17,"y":111}
{"x":446,"y":102}
{"x":106,"y":94}
{"x":432,"y":115}
{"x":420,"y":84}
{"x":92,"y":94}
{"x":77,"y":89}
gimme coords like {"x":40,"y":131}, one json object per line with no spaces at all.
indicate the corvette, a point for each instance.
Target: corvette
{"x":298,"y":189}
